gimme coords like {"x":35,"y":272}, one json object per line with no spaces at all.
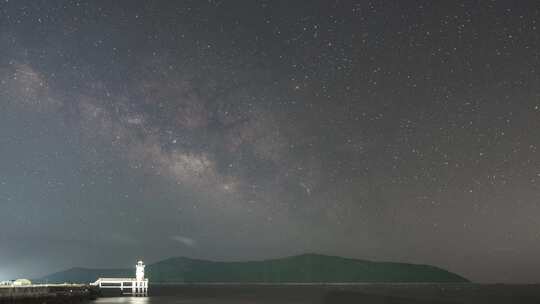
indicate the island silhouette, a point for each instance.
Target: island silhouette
{"x":304,"y":268}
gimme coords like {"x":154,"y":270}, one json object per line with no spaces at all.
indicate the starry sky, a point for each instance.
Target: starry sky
{"x":250,"y":129}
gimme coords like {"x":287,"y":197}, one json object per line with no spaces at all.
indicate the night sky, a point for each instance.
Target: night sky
{"x":248,"y":129}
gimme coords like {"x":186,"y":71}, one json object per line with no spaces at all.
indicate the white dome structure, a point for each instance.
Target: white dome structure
{"x":22,"y":282}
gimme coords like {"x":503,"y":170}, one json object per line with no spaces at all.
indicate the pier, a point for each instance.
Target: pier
{"x":49,"y":293}
{"x":137,"y":286}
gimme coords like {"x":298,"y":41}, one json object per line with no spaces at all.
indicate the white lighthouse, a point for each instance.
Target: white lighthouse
{"x":139,"y":273}
{"x":140,"y":286}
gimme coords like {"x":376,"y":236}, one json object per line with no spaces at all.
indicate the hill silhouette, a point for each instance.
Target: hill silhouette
{"x":305,"y":268}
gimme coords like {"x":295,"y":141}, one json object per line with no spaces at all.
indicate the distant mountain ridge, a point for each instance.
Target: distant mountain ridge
{"x":305,"y":268}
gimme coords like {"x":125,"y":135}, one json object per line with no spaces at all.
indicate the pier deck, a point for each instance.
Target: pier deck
{"x":51,"y":293}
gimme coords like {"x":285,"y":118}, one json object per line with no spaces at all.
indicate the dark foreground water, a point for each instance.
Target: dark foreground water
{"x":359,"y":293}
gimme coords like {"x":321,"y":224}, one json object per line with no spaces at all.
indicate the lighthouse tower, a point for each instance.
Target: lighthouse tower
{"x":140,"y":286}
{"x":139,"y":273}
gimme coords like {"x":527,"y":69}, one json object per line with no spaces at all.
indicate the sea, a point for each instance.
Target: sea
{"x":334,"y":293}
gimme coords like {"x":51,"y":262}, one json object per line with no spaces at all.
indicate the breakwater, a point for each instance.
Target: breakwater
{"x":63,"y":293}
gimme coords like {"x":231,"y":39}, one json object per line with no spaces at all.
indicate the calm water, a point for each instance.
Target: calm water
{"x":362,"y":293}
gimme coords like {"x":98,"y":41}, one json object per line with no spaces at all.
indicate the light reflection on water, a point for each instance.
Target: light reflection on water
{"x":166,"y":300}
{"x":124,"y":300}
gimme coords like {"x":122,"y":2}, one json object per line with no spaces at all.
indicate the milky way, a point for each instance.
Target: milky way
{"x":239,"y":130}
